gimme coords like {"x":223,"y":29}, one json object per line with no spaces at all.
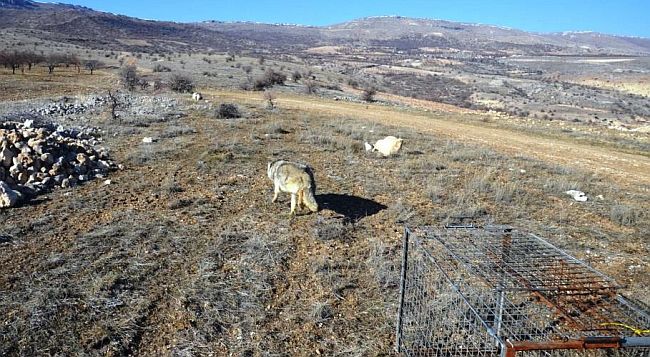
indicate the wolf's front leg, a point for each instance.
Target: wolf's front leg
{"x":276,"y":191}
{"x":293,"y":204}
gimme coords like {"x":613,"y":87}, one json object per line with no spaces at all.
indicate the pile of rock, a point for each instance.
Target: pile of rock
{"x":35,"y":159}
{"x":65,"y":107}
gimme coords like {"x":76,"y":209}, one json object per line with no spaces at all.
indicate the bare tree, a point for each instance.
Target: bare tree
{"x":31,"y":59}
{"x":72,"y":59}
{"x":53,"y":61}
{"x":115,"y":104}
{"x":12,"y":60}
{"x":92,"y":65}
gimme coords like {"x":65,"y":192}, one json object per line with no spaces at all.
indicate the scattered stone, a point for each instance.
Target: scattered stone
{"x":35,"y":158}
{"x":148,"y":140}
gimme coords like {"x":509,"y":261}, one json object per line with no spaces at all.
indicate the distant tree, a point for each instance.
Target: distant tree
{"x":92,"y":65}
{"x":73,"y":60}
{"x":54,"y":60}
{"x":368,"y":94}
{"x":129,"y":77}
{"x":296,"y":76}
{"x":12,"y":60}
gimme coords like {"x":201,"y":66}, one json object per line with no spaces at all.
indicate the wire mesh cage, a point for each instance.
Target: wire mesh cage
{"x":496,"y":291}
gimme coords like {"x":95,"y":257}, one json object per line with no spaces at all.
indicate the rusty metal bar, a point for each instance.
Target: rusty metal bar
{"x":586,"y":343}
{"x":402,"y":289}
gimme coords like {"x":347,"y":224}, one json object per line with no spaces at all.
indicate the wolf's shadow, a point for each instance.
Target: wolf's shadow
{"x":352,"y":207}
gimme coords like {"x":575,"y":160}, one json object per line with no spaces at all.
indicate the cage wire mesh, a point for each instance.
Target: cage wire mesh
{"x":496,"y":291}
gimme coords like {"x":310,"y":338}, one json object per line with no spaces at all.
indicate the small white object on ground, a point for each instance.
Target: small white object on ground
{"x":577,"y":195}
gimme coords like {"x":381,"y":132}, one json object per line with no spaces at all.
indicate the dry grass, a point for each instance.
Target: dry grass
{"x":184,"y":254}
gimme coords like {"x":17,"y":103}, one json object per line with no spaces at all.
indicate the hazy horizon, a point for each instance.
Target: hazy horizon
{"x":626,"y":18}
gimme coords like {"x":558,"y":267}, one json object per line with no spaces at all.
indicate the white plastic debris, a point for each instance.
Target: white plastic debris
{"x":577,"y":195}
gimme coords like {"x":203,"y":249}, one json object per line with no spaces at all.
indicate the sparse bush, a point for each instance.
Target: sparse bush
{"x":353,"y":83}
{"x":368,"y":94}
{"x":269,"y":79}
{"x":321,"y":311}
{"x":311,"y":87}
{"x":505,"y":192}
{"x":332,"y":229}
{"x":296,"y":76}
{"x":160,"y":68}
{"x":228,"y":111}
{"x":625,"y":215}
{"x":181,"y":84}
{"x":270,"y":97}
{"x":129,"y":77}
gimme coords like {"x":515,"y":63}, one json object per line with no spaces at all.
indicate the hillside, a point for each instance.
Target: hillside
{"x":81,"y":25}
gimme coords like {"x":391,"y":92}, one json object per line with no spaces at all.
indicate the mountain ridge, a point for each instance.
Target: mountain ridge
{"x":74,"y":24}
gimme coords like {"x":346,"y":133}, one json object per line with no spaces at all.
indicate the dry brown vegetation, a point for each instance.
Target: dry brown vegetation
{"x":184,"y":254}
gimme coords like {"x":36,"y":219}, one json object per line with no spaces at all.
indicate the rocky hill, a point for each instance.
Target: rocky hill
{"x":84,"y":26}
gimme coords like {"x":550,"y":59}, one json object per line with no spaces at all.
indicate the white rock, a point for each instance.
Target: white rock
{"x":8,"y":197}
{"x":107,"y":182}
{"x":387,"y":146}
{"x":148,"y":140}
{"x":577,"y":195}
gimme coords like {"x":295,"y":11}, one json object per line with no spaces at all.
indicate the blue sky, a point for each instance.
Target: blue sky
{"x":621,"y":17}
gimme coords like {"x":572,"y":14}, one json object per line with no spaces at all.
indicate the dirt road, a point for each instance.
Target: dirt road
{"x":627,"y":169}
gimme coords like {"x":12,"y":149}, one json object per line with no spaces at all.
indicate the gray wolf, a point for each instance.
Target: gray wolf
{"x":295,"y":178}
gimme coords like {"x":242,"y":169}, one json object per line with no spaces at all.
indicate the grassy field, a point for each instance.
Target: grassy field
{"x":184,"y":254}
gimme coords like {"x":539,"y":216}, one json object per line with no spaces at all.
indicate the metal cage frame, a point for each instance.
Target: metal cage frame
{"x":497,"y":291}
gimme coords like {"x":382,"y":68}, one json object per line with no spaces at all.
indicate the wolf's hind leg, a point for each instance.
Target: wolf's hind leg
{"x":301,"y":199}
